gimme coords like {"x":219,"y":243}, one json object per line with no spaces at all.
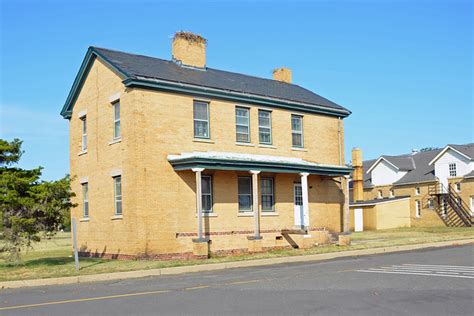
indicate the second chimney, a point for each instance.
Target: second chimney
{"x":282,"y":74}
{"x":357,"y":175}
{"x":189,"y":49}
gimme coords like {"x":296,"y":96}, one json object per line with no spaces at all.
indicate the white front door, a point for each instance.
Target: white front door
{"x":358,"y":220}
{"x":301,"y":219}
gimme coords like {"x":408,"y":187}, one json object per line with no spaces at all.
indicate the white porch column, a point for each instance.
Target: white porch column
{"x":255,"y":206}
{"x":304,"y":191}
{"x":346,"y":215}
{"x":198,"y":171}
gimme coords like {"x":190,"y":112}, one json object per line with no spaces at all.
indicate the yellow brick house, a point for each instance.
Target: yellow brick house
{"x":173,"y":159}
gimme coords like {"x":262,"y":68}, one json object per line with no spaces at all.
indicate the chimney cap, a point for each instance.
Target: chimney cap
{"x":191,"y":37}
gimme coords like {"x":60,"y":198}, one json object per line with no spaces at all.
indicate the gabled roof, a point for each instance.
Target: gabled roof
{"x":154,"y":73}
{"x":464,"y":150}
{"x":401,"y":163}
{"x":417,"y":165}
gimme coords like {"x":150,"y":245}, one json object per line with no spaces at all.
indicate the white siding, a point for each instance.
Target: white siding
{"x":441,"y":166}
{"x":384,"y":174}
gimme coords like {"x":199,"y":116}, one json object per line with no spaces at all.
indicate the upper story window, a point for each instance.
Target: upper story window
{"x":118,"y":195}
{"x":84,"y":133}
{"x":206,"y":193}
{"x":85,"y":200}
{"x":452,"y":170}
{"x":265,"y":127}
{"x":297,"y":131}
{"x":268,"y":198}
{"x":417,"y":191}
{"x":242,"y":124}
{"x":201,"y":119}
{"x":379,"y":194}
{"x":245,"y":194}
{"x":116,"y":107}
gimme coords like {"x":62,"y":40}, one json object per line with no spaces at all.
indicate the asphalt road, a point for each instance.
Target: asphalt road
{"x":427,"y":282}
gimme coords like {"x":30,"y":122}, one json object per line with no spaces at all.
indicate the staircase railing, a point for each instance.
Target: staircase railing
{"x":453,"y":200}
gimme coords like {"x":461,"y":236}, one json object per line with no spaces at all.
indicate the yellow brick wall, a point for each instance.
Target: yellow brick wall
{"x":158,"y":202}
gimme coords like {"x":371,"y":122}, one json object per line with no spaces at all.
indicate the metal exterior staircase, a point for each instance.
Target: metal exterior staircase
{"x":450,"y":206}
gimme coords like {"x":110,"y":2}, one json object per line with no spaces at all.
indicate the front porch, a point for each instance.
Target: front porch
{"x":280,"y":201}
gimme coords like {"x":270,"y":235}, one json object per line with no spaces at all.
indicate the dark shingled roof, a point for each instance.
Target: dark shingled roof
{"x":150,"y":68}
{"x":416,"y":164}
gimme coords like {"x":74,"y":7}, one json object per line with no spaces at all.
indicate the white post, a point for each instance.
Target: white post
{"x":304,"y":191}
{"x":255,"y":206}
{"x":346,"y":215}
{"x":198,"y":171}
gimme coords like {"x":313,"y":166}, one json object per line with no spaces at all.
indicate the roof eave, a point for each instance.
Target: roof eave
{"x":81,"y":76}
{"x":233,"y":95}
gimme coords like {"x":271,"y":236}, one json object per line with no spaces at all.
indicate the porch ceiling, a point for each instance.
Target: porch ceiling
{"x":245,"y":162}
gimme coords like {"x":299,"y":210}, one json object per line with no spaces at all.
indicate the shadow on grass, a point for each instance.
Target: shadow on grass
{"x":55,"y":261}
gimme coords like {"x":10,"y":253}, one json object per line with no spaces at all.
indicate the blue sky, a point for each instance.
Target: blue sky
{"x":404,"y":68}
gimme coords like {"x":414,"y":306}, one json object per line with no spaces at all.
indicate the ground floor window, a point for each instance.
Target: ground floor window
{"x":472,"y":204}
{"x":418,"y":208}
{"x":268,"y":199}
{"x":444,"y":207}
{"x":206,"y":193}
{"x":430,"y":203}
{"x":245,"y":194}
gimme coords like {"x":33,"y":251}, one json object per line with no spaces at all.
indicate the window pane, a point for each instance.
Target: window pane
{"x":297,"y":140}
{"x":118,"y":207}
{"x":245,"y":202}
{"x":201,"y":129}
{"x":200,"y":111}
{"x":267,"y":203}
{"x":118,"y":186}
{"x":206,"y":203}
{"x":84,"y":125}
{"x":243,"y":138}
{"x":265,"y":135}
{"x":296,"y":123}
{"x":264,"y":118}
{"x":267,"y":186}
{"x":117,"y":111}
{"x":242,"y":129}
{"x":245,"y":186}
{"x":117,"y":129}
{"x":206,"y":185}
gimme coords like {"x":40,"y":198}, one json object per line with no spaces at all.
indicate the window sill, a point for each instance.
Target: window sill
{"x":208,"y":214}
{"x":115,"y":217}
{"x":203,"y":140}
{"x":84,"y":219}
{"x":269,"y":213}
{"x":115,"y":141}
{"x":245,"y":214}
{"x":267,"y":146}
{"x":245,"y":144}
{"x":82,"y":153}
{"x":298,"y":149}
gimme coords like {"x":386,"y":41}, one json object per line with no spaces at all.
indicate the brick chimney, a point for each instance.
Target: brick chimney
{"x":189,"y":49}
{"x":357,"y":175}
{"x":282,"y":74}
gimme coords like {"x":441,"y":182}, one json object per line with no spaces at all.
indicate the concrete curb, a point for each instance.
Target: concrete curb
{"x":226,"y":265}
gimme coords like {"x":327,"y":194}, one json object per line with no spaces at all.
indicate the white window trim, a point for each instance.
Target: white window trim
{"x":452,"y":171}
{"x":391,"y":193}
{"x":210,"y":194}
{"x":251,"y":197}
{"x":248,"y":124}
{"x":85,"y":199}
{"x":379,"y":194}
{"x":114,"y":104}
{"x":115,"y":196}
{"x":115,"y":173}
{"x":430,"y":203}
{"x":297,"y":132}
{"x":417,"y":208}
{"x":272,"y":210}
{"x":268,"y":127}
{"x":472,"y":204}
{"x":417,"y":191}
{"x":83,"y":134}
{"x":114,"y":97}
{"x":457,"y":186}
{"x":200,"y":120}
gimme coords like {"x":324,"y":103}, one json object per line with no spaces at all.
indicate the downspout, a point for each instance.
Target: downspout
{"x":345,"y":208}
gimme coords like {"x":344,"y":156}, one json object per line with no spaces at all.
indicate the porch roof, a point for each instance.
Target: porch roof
{"x":245,"y":162}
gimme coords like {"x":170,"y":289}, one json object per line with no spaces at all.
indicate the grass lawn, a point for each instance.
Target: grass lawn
{"x":52,"y":258}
